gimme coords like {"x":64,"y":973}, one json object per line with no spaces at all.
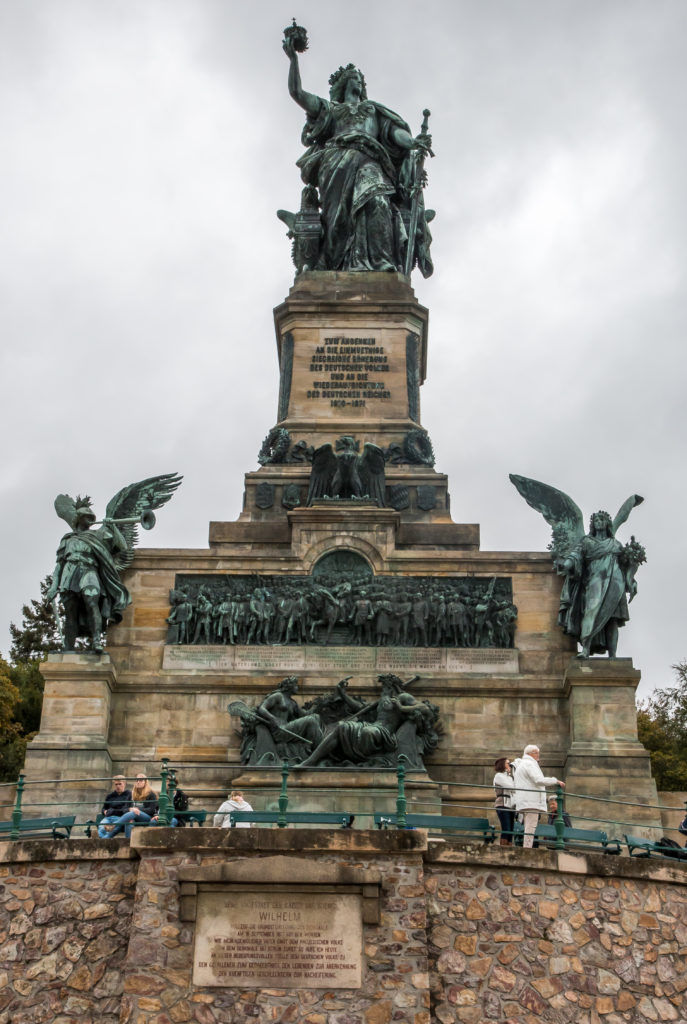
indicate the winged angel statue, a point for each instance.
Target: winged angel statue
{"x":599,"y":571}
{"x":346,"y":474}
{"x":89,"y":562}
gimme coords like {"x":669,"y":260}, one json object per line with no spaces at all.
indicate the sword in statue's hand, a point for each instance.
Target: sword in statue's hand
{"x":417,"y":189}
{"x":241,"y":710}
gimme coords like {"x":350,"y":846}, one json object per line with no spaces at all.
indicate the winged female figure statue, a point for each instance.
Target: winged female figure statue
{"x":89,"y":562}
{"x":599,"y":571}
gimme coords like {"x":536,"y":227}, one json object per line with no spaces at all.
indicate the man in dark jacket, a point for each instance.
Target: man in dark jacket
{"x":116,"y":803}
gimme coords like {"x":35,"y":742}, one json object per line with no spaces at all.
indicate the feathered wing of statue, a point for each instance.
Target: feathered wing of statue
{"x":599,"y":571}
{"x":347,"y":474}
{"x":89,"y":562}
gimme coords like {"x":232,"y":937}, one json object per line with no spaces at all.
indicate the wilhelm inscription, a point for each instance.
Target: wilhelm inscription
{"x":346,"y":660}
{"x":278,"y":940}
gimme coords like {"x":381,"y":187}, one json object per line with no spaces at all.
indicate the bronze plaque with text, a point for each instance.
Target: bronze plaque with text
{"x":278,"y":940}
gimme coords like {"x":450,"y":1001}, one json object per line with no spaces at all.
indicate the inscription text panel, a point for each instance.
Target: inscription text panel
{"x":278,"y":940}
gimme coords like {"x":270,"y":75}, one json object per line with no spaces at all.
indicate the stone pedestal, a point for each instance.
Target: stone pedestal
{"x":72,"y":741}
{"x":352,"y":355}
{"x":605,"y":757}
{"x":356,"y":791}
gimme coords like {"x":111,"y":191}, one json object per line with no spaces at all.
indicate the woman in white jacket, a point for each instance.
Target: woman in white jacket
{"x":530,"y":790}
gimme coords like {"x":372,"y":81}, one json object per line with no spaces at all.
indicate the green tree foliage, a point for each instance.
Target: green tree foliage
{"x":21,"y":683}
{"x":38,"y":633}
{"x":662,"y":728}
{"x":13,"y":744}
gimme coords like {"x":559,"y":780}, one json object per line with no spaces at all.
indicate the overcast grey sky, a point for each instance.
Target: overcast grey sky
{"x":146,"y":146}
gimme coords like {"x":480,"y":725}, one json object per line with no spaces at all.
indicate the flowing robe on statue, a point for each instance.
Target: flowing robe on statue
{"x":85,"y":561}
{"x":593,"y":594}
{"x":357,"y":168}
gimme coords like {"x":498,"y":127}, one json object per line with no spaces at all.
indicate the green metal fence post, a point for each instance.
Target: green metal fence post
{"x":170,"y":793}
{"x":283,"y":796}
{"x":162,"y":818}
{"x":401,"y":795}
{"x":558,"y":822}
{"x":16,"y":812}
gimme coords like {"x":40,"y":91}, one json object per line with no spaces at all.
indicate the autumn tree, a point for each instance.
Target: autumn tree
{"x":662,"y":728}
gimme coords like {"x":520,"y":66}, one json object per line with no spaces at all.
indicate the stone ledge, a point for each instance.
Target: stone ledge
{"x":601,"y":672}
{"x":599,"y":865}
{"x":23,"y":851}
{"x":282,"y":840}
{"x":280,"y":869}
{"x":271,"y":532}
{"x":287,"y":842}
{"x":445,"y":535}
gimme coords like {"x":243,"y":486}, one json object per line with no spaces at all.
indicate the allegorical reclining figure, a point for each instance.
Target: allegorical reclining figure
{"x":338,"y":729}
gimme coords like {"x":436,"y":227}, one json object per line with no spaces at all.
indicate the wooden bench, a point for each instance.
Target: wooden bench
{"x":341,"y":818}
{"x":637,"y":846}
{"x":579,"y":838}
{"x":39,"y":828}
{"x":574,"y":838}
{"x":438,"y":823}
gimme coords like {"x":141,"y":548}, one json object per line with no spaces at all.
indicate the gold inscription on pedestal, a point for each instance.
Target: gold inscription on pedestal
{"x":500,"y":661}
{"x":349,"y":660}
{"x":350,"y":372}
{"x":410,"y":659}
{"x":278,"y":940}
{"x":340,"y":659}
{"x":189,"y":659}
{"x":278,"y":659}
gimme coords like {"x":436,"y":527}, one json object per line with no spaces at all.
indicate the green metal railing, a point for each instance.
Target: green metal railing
{"x":404,"y":807}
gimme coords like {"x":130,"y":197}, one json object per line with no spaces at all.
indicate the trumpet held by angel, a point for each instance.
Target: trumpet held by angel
{"x":89,"y":561}
{"x":598,"y":570}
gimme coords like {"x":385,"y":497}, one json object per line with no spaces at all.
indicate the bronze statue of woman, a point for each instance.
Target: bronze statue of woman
{"x":361,"y":159}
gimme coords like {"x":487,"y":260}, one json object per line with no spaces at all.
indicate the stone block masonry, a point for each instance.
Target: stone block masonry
{"x":452,"y":932}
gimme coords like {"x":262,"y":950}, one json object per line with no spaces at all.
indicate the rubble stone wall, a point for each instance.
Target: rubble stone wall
{"x":526,"y":945}
{"x":64,"y":932}
{"x":93,"y":932}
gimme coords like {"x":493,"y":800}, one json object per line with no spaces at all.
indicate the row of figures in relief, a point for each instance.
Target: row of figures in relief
{"x":338,"y":729}
{"x":407,"y":612}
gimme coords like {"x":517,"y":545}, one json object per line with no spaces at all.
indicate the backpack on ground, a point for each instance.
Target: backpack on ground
{"x":669,"y":848}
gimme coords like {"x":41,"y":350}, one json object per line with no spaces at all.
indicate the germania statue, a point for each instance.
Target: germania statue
{"x":362,"y":207}
{"x":89,"y":562}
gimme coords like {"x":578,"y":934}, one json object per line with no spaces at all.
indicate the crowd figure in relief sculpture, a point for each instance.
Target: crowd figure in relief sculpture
{"x":405,"y":612}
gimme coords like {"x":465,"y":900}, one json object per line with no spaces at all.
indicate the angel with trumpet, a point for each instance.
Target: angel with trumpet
{"x":599,"y":571}
{"x":89,"y":562}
